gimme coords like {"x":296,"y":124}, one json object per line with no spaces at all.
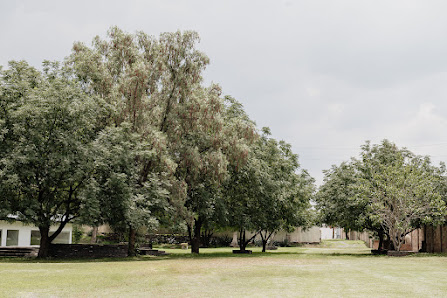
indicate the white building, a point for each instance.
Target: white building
{"x":18,"y":234}
{"x":331,"y":233}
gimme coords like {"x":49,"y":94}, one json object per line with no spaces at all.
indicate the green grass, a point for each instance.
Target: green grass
{"x":334,"y":268}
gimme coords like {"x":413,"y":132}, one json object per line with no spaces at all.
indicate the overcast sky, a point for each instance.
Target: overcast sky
{"x":324,"y":75}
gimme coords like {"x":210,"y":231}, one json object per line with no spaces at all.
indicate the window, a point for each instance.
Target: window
{"x":62,"y":238}
{"x":12,"y":238}
{"x":35,"y":238}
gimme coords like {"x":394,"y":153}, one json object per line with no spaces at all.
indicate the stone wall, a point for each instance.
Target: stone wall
{"x":87,"y":251}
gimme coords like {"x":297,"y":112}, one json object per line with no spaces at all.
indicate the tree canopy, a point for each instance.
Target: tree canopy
{"x":267,"y":194}
{"x":48,"y":128}
{"x":388,"y":190}
{"x":125,"y":132}
{"x":155,"y":85}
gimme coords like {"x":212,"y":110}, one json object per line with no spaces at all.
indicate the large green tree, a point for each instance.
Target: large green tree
{"x":117,"y":195}
{"x":336,"y":199}
{"x":388,"y":190}
{"x":155,"y":85}
{"x":48,"y":125}
{"x":268,"y":194}
{"x":285,"y":202}
{"x":401,"y":190}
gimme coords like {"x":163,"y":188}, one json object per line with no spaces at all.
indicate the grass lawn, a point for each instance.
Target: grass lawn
{"x":334,"y":268}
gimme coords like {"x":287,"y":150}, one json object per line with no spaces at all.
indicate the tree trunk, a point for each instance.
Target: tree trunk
{"x":131,"y":248}
{"x":195,"y":238}
{"x":264,"y":244}
{"x":264,"y":240}
{"x":206,"y":238}
{"x":380,"y":239}
{"x":347,"y":235}
{"x":243,"y":243}
{"x":94,"y":235}
{"x":44,"y":248}
{"x":398,"y":241}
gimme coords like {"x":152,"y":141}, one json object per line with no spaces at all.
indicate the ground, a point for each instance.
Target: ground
{"x":335,"y":268}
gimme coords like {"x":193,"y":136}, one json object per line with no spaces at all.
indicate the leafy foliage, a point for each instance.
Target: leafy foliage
{"x":49,"y":126}
{"x":267,"y":194}
{"x":401,"y":190}
{"x":126,"y":134}
{"x":155,"y":86}
{"x":389,"y":190}
{"x":336,"y":199}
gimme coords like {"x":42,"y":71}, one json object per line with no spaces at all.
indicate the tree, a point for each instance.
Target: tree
{"x":47,"y":129}
{"x":155,"y":84}
{"x":336,"y":200}
{"x":286,"y":200}
{"x":132,"y":74}
{"x":338,"y":204}
{"x":401,"y":189}
{"x":267,"y":194}
{"x":208,"y":142}
{"x":388,"y":190}
{"x":117,"y":195}
{"x":240,"y":191}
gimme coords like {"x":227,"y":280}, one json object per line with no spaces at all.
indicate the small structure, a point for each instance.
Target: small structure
{"x":433,"y":239}
{"x":300,"y":235}
{"x":328,"y":233}
{"x":17,"y":234}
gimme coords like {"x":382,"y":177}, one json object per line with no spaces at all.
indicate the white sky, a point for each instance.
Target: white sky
{"x":324,"y":75}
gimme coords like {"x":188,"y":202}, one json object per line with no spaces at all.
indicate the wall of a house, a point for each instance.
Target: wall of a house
{"x":311,"y":235}
{"x":435,"y":238}
{"x":327,"y":233}
{"x":24,"y":235}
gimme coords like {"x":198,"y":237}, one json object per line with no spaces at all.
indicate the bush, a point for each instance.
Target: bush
{"x":110,"y":238}
{"x":172,"y":239}
{"x":284,"y":243}
{"x":77,"y":234}
{"x":258,"y":243}
{"x":220,"y":241}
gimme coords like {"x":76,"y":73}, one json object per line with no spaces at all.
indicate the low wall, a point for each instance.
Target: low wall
{"x":87,"y":251}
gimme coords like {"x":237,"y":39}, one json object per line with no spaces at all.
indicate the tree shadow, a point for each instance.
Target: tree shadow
{"x":212,"y":255}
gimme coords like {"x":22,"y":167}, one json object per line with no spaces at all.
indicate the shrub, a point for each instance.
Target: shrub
{"x":284,"y":243}
{"x":220,"y":241}
{"x":77,"y":234}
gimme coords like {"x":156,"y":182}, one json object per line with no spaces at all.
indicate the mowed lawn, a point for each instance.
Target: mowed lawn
{"x":335,"y":268}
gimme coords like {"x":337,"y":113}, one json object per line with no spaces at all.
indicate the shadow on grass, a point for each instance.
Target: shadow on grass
{"x":208,"y":255}
{"x":327,"y":249}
